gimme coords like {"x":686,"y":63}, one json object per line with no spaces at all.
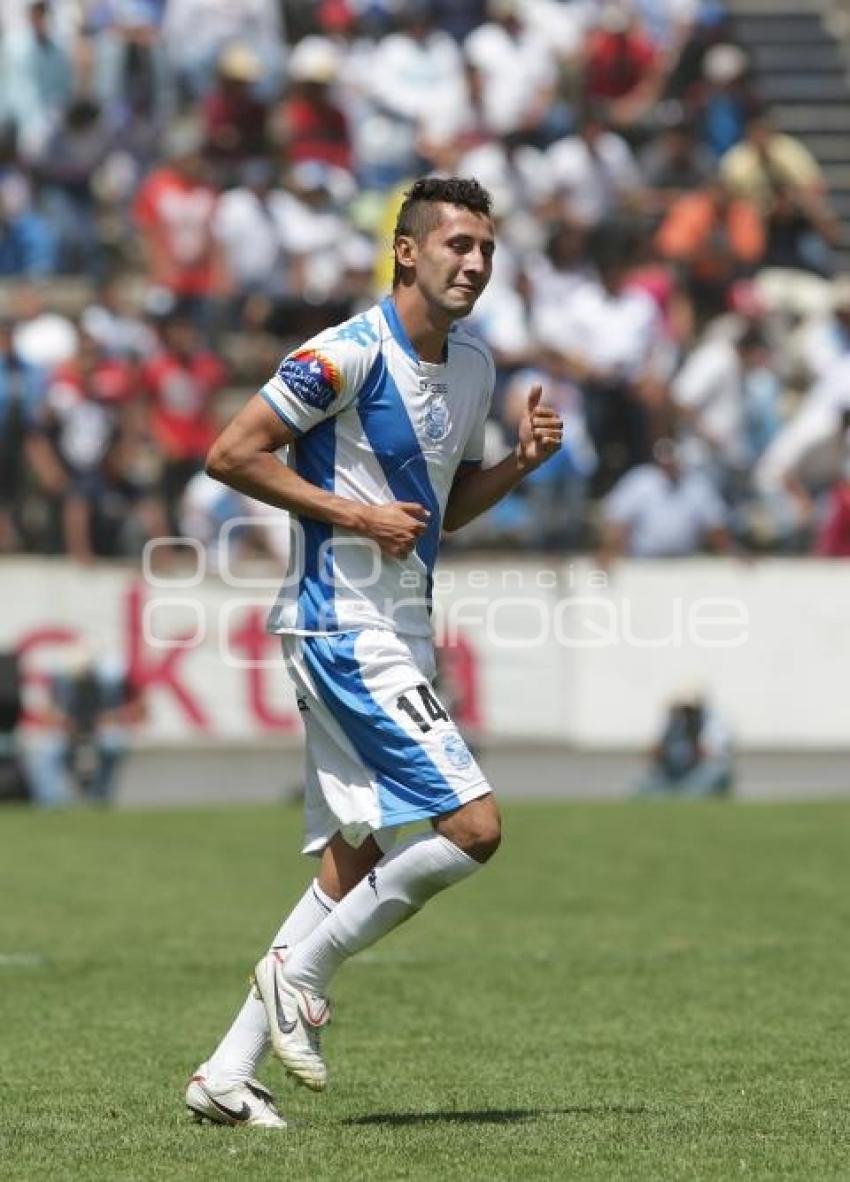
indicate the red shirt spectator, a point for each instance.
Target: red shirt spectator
{"x":182,"y":382}
{"x":174,"y":210}
{"x":616,"y":62}
{"x":234,"y":118}
{"x":313,"y":127}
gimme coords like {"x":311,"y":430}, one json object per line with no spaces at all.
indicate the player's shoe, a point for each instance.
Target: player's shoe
{"x":295,"y":1019}
{"x":247,"y":1103}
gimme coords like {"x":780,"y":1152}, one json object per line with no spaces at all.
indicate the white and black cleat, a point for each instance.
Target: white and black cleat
{"x":295,"y":1020}
{"x":248,"y":1103}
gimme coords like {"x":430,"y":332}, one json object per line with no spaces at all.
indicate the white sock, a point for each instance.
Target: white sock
{"x":238,"y":1055}
{"x":400,"y":884}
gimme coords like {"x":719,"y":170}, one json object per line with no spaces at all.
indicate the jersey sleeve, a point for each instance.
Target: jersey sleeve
{"x":473,"y":453}
{"x":320,"y":378}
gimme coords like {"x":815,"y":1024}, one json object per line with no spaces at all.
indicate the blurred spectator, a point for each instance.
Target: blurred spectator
{"x":234,"y":118}
{"x":111,"y":320}
{"x":613,"y":342}
{"x":247,"y":229}
{"x":554,"y":277}
{"x":594,"y":172}
{"x":36,"y":78}
{"x":27,"y":241}
{"x":693,"y":756}
{"x":715,"y":238}
{"x":622,"y":66}
{"x":553,"y":501}
{"x":181,"y":382}
{"x":67,"y":168}
{"x":722,"y":102}
{"x":808,"y":454}
{"x":729,"y":396}
{"x":22,"y":390}
{"x":513,"y":71}
{"x":826,"y":339}
{"x":43,"y":338}
{"x":767,"y":159}
{"x":312,"y":126}
{"x":779,"y":174}
{"x":131,"y":78}
{"x":93,"y":707}
{"x":419,"y":82}
{"x":674,"y":163}
{"x":660,"y":510}
{"x":175,"y":210}
{"x":196,"y":32}
{"x":71,"y":452}
{"x":313,"y":233}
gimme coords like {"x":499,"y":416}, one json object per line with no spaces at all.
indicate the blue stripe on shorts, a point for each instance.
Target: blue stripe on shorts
{"x":411,"y":785}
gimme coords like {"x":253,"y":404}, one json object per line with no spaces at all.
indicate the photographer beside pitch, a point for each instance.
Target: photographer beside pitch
{"x":385,"y":414}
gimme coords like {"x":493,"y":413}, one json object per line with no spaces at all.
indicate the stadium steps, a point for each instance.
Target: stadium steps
{"x":801,"y":68}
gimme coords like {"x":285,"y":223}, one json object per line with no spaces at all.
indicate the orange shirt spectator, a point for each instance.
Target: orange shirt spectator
{"x":709,"y":231}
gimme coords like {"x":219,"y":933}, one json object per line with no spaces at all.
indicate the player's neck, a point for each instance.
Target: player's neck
{"x":425,"y":326}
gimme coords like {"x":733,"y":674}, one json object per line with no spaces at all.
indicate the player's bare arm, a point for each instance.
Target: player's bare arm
{"x":243,"y":458}
{"x":477,"y":489}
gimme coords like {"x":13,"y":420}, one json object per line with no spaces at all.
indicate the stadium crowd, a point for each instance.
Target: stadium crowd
{"x":190,"y":187}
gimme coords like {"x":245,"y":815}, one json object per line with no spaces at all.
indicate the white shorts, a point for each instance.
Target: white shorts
{"x":381,"y":751}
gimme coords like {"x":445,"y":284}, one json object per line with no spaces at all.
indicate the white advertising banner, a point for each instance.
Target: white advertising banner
{"x":532,"y":649}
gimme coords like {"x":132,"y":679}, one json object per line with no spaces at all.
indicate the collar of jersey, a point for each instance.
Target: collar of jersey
{"x":398,"y":330}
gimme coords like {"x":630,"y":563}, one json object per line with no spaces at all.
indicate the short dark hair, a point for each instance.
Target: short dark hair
{"x":419,"y":214}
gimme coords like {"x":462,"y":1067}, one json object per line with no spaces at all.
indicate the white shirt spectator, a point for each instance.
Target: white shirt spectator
{"x":315,"y":236}
{"x":517,"y":74}
{"x":593,"y":184}
{"x":823,"y":342}
{"x":709,"y":387}
{"x":561,"y":26}
{"x":422,"y":82}
{"x":551,"y":291}
{"x":620,"y":335}
{"x":195,"y":28}
{"x":811,"y":446}
{"x":665,"y":519}
{"x":46,"y":340}
{"x":248,"y":231}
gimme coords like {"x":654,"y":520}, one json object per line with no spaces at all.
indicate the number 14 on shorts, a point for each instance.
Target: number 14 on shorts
{"x":430,"y":705}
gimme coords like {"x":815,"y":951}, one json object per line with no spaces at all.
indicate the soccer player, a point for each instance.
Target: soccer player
{"x":385,"y":417}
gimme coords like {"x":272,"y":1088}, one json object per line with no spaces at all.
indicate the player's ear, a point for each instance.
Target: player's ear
{"x":405,"y":254}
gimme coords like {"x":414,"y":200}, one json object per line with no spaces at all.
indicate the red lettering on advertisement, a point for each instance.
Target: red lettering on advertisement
{"x":459,"y":667}
{"x":254,"y":644}
{"x":33,"y":679}
{"x":163,"y":672}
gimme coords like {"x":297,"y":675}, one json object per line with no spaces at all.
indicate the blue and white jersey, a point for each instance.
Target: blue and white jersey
{"x":374,"y":424}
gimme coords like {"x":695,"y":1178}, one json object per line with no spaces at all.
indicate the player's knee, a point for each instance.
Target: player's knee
{"x":484,"y":842}
{"x":476,"y":829}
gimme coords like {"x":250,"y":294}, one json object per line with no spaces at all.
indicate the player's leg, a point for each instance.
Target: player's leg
{"x":238,"y":1055}
{"x":391,"y":715}
{"x":401,"y":884}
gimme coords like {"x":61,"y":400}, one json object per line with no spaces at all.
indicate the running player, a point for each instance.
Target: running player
{"x":385,"y":417}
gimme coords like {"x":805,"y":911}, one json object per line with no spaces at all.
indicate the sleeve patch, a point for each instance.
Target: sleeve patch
{"x":312,"y":377}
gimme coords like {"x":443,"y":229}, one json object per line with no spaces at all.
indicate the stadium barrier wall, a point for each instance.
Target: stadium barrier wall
{"x":534,"y":649}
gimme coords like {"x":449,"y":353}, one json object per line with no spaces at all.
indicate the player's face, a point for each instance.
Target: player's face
{"x":455,"y":261}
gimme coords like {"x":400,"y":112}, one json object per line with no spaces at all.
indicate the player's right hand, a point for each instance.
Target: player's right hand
{"x":396,"y":527}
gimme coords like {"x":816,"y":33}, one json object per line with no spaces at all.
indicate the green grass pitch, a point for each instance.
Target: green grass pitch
{"x":628,"y":991}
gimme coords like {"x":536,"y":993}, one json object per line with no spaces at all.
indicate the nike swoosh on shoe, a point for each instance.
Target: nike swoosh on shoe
{"x":285,"y":1027}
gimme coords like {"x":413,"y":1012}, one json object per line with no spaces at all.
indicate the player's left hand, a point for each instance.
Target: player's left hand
{"x":541,"y":430}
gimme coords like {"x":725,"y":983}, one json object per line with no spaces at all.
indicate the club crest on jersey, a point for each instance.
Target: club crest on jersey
{"x":436,"y":419}
{"x":311,"y":377}
{"x":457,"y":752}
